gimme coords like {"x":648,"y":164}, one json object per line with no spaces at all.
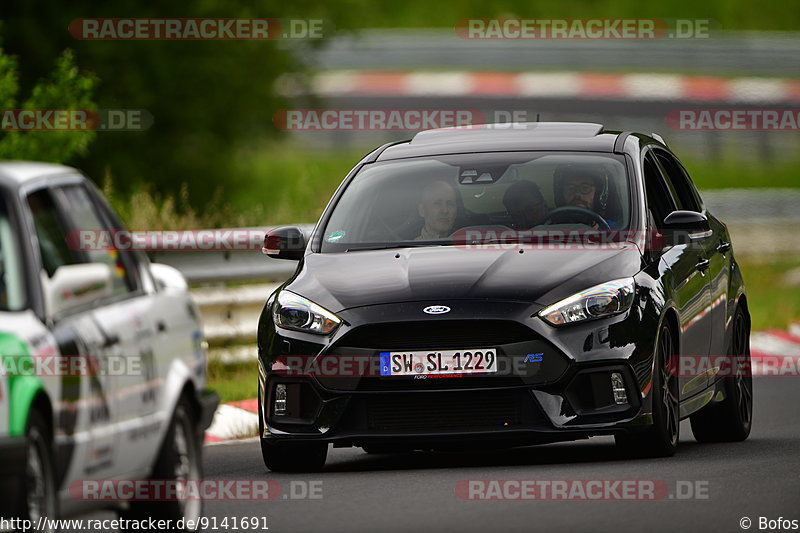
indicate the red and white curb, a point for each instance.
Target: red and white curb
{"x":776,"y":352}
{"x":239,"y":420}
{"x":234,"y":421}
{"x":586,"y":85}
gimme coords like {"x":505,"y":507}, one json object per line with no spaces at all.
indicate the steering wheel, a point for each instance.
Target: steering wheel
{"x":562,"y":213}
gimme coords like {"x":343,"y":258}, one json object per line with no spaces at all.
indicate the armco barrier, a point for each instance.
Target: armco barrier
{"x":204,"y":266}
{"x":761,"y":221}
{"x":230,"y":314}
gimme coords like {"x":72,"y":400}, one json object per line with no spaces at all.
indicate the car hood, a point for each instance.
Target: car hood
{"x":339,"y":281}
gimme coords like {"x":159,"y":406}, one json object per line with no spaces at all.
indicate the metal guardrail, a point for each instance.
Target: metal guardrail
{"x":204,"y":266}
{"x":761,"y":221}
{"x":231,"y":314}
{"x":225,"y":266}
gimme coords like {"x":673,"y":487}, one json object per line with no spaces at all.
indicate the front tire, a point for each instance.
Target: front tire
{"x":289,"y":456}
{"x":38,"y":487}
{"x":731,"y":419}
{"x":661,"y":439}
{"x":179,"y":460}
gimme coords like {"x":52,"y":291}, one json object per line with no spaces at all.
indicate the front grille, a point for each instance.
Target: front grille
{"x":512,"y":341}
{"x":473,"y":410}
{"x":437,"y":334}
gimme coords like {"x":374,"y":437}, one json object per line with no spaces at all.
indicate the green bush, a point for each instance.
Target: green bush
{"x":65,"y":88}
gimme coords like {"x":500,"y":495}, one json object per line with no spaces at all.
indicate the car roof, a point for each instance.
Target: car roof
{"x":518,"y":136}
{"x":20,"y":172}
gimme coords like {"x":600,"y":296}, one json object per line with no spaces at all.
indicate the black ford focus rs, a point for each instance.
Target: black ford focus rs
{"x":506,"y":285}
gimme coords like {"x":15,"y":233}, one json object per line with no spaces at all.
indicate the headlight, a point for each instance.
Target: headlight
{"x":292,"y":311}
{"x":601,"y":300}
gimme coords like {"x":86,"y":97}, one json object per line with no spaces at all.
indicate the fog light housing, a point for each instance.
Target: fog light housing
{"x":618,"y":388}
{"x":279,"y":407}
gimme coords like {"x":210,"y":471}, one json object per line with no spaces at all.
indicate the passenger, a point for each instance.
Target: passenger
{"x":438,"y":208}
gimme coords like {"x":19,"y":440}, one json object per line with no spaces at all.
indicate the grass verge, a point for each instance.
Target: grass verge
{"x":236,"y":381}
{"x":774,"y":302}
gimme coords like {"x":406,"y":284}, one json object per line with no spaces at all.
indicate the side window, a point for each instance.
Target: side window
{"x":51,"y":232}
{"x":84,"y":216}
{"x":659,"y":197}
{"x":692,"y":187}
{"x":686,"y":194}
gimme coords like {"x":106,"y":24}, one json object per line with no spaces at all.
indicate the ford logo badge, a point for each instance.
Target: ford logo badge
{"x":436,"y":309}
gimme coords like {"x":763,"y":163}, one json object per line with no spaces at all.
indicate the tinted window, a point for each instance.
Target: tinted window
{"x":51,"y":232}
{"x":686,"y":195}
{"x":659,"y":197}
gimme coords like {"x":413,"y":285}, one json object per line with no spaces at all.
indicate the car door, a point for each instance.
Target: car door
{"x":85,"y":438}
{"x":128,"y":327}
{"x":682,"y":261}
{"x":716,"y":246}
{"x":179,"y":352}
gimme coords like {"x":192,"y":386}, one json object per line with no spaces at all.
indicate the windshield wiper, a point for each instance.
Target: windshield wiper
{"x":388,"y":246}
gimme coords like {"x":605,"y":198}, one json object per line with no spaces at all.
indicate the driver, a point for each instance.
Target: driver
{"x":438,"y":208}
{"x":524,"y":202}
{"x":582,"y":186}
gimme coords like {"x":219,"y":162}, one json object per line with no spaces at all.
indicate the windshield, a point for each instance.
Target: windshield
{"x":438,"y":200}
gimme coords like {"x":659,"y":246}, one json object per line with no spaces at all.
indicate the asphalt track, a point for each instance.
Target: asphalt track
{"x":416,"y":492}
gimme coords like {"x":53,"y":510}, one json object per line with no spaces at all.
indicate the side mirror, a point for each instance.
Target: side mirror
{"x":686,"y":220}
{"x":74,"y":286}
{"x":287,"y":242}
{"x":168,"y":278}
{"x":681,"y":227}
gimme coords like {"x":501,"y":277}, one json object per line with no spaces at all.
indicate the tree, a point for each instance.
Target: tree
{"x":207,"y":98}
{"x":65,"y":88}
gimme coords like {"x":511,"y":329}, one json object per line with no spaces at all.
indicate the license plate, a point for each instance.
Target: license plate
{"x":467,"y":361}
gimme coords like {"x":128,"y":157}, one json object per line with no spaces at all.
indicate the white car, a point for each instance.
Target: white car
{"x":140,"y":409}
